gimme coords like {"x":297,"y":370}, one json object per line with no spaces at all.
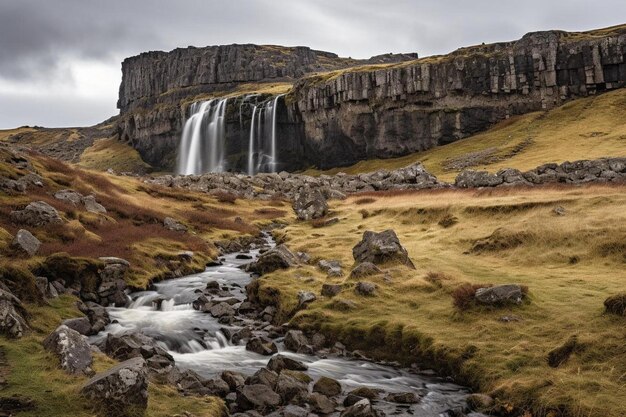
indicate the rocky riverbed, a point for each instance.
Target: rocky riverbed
{"x":204,"y":335}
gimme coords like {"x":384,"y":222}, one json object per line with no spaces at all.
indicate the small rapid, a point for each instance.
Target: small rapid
{"x":198,"y":342}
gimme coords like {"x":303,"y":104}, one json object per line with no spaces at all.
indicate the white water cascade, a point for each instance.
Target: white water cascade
{"x":262,"y":153}
{"x":202,"y":144}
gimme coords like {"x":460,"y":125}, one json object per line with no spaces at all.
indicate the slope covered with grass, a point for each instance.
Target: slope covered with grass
{"x":587,"y":128}
{"x":570,"y":263}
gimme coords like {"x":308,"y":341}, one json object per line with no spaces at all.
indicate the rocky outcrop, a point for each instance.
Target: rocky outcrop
{"x":577,"y":172}
{"x":337,"y":118}
{"x":379,"y":248}
{"x":72,"y":349}
{"x":12,"y":315}
{"x":122,"y":391}
{"x":36,"y":214}
{"x":276,"y":258}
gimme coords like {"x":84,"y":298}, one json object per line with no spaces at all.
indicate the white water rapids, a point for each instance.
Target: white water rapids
{"x":196,"y":342}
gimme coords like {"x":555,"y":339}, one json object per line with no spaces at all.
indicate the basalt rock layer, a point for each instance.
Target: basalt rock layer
{"x":351,"y":110}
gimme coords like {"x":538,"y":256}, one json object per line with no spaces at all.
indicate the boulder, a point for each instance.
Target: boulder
{"x":79,"y":324}
{"x":402,"y":398}
{"x":279,"y":257}
{"x":365,"y":269}
{"x":310,"y":204}
{"x":332,"y":268}
{"x":72,"y":349}
{"x":292,"y":386}
{"x":321,"y":404}
{"x":305,"y":297}
{"x":365,"y":288}
{"x":233,"y":379}
{"x":330,"y":290}
{"x":174,"y":225}
{"x":26,"y":243}
{"x":122,"y":391}
{"x":69,"y":196}
{"x":97,"y":315}
{"x":222,"y":309}
{"x":290,"y":411}
{"x":362,"y":408}
{"x":12,"y":315}
{"x":36,"y":214}
{"x":263,"y":376}
{"x":126,"y":346}
{"x":262,"y":346}
{"x":476,"y":179}
{"x":327,"y":386}
{"x":279,"y":362}
{"x":92,"y":206}
{"x":296,"y":341}
{"x":500,"y":295}
{"x":379,"y":248}
{"x":257,"y":397}
{"x":46,"y":289}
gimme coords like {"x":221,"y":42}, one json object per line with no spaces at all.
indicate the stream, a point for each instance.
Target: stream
{"x":196,"y":340}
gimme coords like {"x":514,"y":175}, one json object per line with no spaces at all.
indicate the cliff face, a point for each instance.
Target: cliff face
{"x":351,"y":110}
{"x":157,"y":87}
{"x":384,"y":112}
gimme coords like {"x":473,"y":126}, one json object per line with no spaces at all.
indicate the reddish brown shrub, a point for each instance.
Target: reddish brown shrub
{"x":225,"y":197}
{"x":463,"y":295}
{"x":365,"y":200}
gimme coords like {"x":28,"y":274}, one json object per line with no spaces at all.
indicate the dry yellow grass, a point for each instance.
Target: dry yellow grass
{"x":570,"y":263}
{"x":111,"y":153}
{"x":588,"y":128}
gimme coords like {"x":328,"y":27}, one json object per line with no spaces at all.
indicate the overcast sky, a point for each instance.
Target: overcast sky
{"x":60,"y":60}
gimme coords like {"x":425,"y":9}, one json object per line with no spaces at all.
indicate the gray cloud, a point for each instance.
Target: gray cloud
{"x":42,"y":43}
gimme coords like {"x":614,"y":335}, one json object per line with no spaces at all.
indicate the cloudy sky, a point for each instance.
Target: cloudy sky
{"x":60,"y":60}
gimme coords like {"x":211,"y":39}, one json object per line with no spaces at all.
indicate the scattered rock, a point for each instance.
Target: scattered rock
{"x":263,"y":376}
{"x":257,"y":397}
{"x":37,"y":214}
{"x":366,"y":392}
{"x":327,"y":386}
{"x":12,"y":315}
{"x":233,"y":379}
{"x":279,"y":257}
{"x":126,"y":346}
{"x":174,"y":225}
{"x":379,"y":248}
{"x":292,"y":386}
{"x":122,"y":391}
{"x":332,"y":268}
{"x":559,"y":211}
{"x":222,"y":309}
{"x":296,"y":341}
{"x":365,"y":269}
{"x":310,"y":205}
{"x":402,"y":398}
{"x":92,"y":206}
{"x":320,"y":403}
{"x":69,"y":196}
{"x":365,"y":288}
{"x":262,"y":346}
{"x":500,"y":295}
{"x":25,"y":242}
{"x":305,"y":297}
{"x":363,"y":408}
{"x":279,"y":362}
{"x":330,"y":290}
{"x":80,"y":324}
{"x":72,"y":349}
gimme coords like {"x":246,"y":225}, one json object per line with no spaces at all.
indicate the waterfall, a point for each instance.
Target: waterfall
{"x":202,"y":144}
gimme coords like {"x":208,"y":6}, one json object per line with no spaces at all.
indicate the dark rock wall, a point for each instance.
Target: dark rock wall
{"x":337,"y":119}
{"x":413,"y":107}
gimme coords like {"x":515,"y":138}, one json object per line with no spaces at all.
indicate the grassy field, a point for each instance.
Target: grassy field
{"x":586,"y":128}
{"x":570,"y":263}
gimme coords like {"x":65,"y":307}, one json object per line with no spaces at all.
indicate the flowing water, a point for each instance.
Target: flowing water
{"x":196,"y":342}
{"x":203,"y":141}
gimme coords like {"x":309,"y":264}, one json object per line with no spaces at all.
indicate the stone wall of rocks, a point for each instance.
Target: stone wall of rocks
{"x":579,"y":172}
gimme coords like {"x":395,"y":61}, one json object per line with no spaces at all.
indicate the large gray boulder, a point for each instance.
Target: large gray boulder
{"x":69,"y":196}
{"x":92,"y":206}
{"x":476,"y":179}
{"x":26,"y":243}
{"x":122,"y":391}
{"x":310,"y":204}
{"x":379,"y":248}
{"x":36,"y":214}
{"x":362,"y":408}
{"x":500,"y":295}
{"x":128,"y":346}
{"x":279,"y":257}
{"x":292,"y":386}
{"x":174,"y":225}
{"x":72,"y":349}
{"x":257,"y":397}
{"x":12,"y":313}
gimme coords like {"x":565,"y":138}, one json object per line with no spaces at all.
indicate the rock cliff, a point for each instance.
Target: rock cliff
{"x":351,"y":110}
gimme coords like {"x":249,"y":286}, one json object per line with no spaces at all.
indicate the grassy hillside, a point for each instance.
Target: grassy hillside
{"x":131,"y":229}
{"x":587,"y":128}
{"x":569,"y":263}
